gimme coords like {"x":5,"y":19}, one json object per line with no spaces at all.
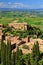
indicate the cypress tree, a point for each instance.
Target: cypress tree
{"x":3,"y":55}
{"x":26,"y":59}
{"x":35,"y":54}
{"x":13,"y":58}
{"x":8,"y":53}
{"x":18,"y":58}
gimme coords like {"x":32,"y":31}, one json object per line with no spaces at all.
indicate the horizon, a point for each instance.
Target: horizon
{"x":18,"y":4}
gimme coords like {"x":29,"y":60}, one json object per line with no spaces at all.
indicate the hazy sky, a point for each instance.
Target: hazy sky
{"x":21,"y":4}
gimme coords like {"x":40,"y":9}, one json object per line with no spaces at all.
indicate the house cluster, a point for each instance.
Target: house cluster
{"x":18,"y":26}
{"x":16,"y":40}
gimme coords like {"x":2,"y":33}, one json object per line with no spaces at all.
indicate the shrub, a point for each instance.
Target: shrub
{"x":25,"y":47}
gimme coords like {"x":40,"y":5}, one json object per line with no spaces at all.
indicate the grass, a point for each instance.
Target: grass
{"x":34,"y":20}
{"x":5,"y":20}
{"x":37,"y":21}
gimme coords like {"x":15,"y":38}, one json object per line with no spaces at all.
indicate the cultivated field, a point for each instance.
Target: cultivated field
{"x":32,"y":18}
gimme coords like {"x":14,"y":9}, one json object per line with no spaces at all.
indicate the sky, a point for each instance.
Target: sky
{"x":28,"y":4}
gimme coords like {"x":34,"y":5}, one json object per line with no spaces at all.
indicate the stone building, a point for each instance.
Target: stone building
{"x":18,"y":26}
{"x":1,"y":25}
{"x":1,"y":33}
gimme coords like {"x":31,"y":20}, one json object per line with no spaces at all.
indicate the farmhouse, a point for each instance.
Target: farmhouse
{"x":18,"y":26}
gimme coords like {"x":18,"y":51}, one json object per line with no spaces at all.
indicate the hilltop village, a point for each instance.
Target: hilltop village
{"x":16,"y":40}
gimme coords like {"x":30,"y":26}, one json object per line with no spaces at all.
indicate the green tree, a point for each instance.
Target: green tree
{"x":26,"y":59}
{"x":3,"y":55}
{"x":41,"y":62}
{"x":13,"y":58}
{"x":8,"y":53}
{"x":18,"y":60}
{"x":35,"y":54}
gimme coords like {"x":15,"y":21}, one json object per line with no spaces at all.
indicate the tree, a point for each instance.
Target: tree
{"x":3,"y":55}
{"x":8,"y":53}
{"x":35,"y":54}
{"x":26,"y":59}
{"x":18,"y":58}
{"x":13,"y":58}
{"x":41,"y":62}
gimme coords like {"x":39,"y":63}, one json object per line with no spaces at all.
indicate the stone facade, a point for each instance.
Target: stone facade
{"x":1,"y":33}
{"x":19,"y":26}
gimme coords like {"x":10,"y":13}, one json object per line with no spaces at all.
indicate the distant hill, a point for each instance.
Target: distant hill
{"x":19,"y":9}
